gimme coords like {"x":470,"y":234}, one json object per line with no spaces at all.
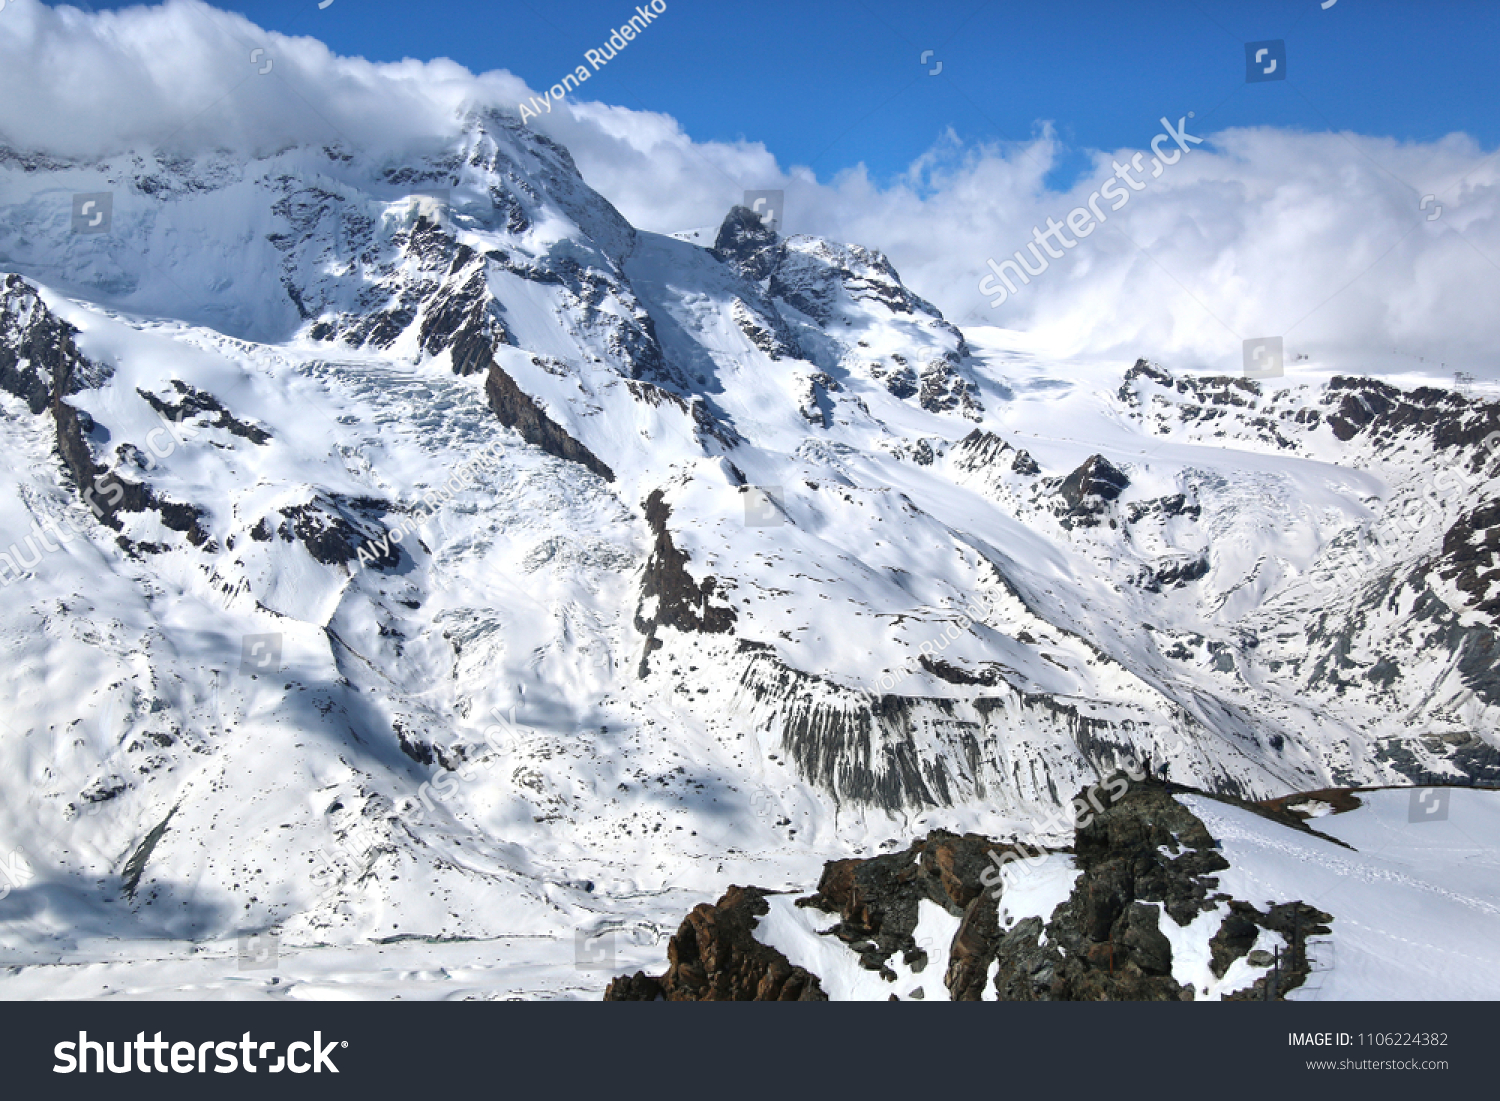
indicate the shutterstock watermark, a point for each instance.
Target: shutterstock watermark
{"x":14,"y":872}
{"x":15,"y":563}
{"x":1428,"y":805}
{"x":161,"y":442}
{"x":1264,"y":357}
{"x":594,"y":949}
{"x":260,"y":654}
{"x":1265,"y":61}
{"x":93,"y":212}
{"x":259,"y":951}
{"x":618,"y":40}
{"x":487,"y":461}
{"x":1082,"y":221}
{"x":769,"y":206}
{"x":765,"y":506}
{"x":968,"y":615}
{"x":1068,"y":820}
{"x":85,"y":1056}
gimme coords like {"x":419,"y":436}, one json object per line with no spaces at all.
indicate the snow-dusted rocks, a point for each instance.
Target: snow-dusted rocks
{"x":1164,"y":895}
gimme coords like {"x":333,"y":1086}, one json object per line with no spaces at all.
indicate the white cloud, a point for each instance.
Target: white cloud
{"x":1318,"y":237}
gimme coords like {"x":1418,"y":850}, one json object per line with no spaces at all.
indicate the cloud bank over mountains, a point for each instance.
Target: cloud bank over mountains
{"x":1323,"y":238}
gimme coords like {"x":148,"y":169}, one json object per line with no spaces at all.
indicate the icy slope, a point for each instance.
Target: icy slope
{"x":1416,"y":902}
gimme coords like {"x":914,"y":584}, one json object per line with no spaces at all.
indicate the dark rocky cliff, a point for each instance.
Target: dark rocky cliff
{"x":1144,"y":855}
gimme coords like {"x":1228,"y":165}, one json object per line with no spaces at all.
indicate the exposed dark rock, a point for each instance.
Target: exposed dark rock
{"x":1087,"y":492}
{"x":981,"y":450}
{"x":333,"y":530}
{"x":944,"y":389}
{"x":464,"y":318}
{"x":136,"y":865}
{"x":714,"y":957}
{"x":877,"y":901}
{"x":107,"y":493}
{"x":1173,"y":574}
{"x":679,"y":601}
{"x":38,"y":358}
{"x":1163,"y":508}
{"x":517,"y":410}
{"x":989,"y":675}
{"x":1471,"y":558}
{"x":1142,"y":370}
{"x":747,"y":244}
{"x":766,"y":330}
{"x":194,"y":402}
{"x":859,"y":746}
{"x":706,"y":425}
{"x":900,"y":382}
{"x":1141,"y":856}
{"x":1369,"y":407}
{"x":814,"y":402}
{"x":40,"y":363}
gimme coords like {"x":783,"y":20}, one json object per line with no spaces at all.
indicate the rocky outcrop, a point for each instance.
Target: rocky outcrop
{"x":985,"y":451}
{"x":943,"y":388}
{"x":877,"y":903}
{"x":1142,"y":859}
{"x":747,"y":245}
{"x":40,"y":363}
{"x":1380,"y":411}
{"x":907,"y":752}
{"x":38,"y":358}
{"x":813,"y":400}
{"x":1471,"y":560}
{"x":334,"y":529}
{"x":192,"y":403}
{"x":765,"y":329}
{"x":714,"y":957}
{"x":1088,"y":491}
{"x":670,"y":597}
{"x":517,"y":410}
{"x":463,"y":317}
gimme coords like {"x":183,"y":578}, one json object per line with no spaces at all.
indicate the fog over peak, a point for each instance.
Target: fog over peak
{"x":1322,"y":238}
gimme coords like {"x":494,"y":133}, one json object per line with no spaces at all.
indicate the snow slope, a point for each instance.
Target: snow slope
{"x":752,"y":571}
{"x":1416,"y":904}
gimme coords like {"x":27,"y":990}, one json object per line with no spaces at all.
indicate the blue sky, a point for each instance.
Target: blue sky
{"x":1330,"y":209}
{"x":835,"y":83}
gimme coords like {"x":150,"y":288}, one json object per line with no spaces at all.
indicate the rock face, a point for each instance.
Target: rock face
{"x":38,"y":359}
{"x":1105,"y":941}
{"x":715,"y":957}
{"x":1088,"y":491}
{"x":1142,"y":856}
{"x":877,"y":903}
{"x":746,"y":244}
{"x":980,"y":450}
{"x":41,"y":364}
{"x":825,"y":282}
{"x":669,"y":595}
{"x":868,"y":749}
{"x":517,"y":410}
{"x":333,"y":530}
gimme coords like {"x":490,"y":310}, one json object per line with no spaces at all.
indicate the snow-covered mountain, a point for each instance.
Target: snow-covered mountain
{"x":410,"y":548}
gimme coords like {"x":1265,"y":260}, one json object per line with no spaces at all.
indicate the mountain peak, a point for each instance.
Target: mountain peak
{"x":746,"y":243}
